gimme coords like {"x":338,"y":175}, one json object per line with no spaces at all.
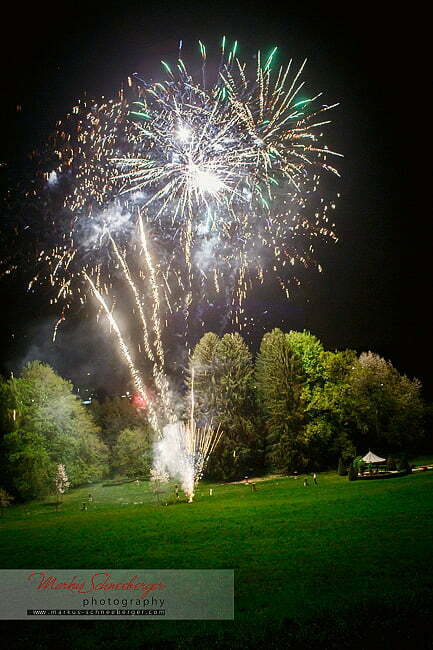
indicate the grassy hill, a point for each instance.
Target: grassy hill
{"x":339,"y":565}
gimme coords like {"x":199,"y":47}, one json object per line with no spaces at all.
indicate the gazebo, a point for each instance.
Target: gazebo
{"x":371,"y":458}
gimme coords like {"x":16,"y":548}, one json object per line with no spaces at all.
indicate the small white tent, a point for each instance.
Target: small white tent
{"x":372,"y":458}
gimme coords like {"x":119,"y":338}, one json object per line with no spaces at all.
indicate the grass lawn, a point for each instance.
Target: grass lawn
{"x":339,"y":565}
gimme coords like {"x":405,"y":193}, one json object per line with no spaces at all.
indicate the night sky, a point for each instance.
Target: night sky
{"x":375,"y":289}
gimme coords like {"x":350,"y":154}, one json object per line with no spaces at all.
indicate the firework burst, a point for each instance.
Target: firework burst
{"x":182,"y":192}
{"x":225,"y":176}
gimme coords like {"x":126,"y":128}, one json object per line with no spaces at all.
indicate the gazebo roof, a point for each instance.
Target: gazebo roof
{"x":372,"y":458}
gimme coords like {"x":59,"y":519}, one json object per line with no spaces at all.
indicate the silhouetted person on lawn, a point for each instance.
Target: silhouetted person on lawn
{"x":306,"y":483}
{"x":176,"y":491}
{"x":315,"y":479}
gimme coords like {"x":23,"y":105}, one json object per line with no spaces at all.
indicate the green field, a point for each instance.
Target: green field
{"x":342,"y":564}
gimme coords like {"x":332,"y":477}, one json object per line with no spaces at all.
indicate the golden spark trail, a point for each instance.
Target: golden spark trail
{"x":159,"y":374}
{"x":153,"y":418}
{"x":137,"y":297}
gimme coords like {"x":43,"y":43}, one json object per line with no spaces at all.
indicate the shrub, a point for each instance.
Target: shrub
{"x":405,"y":466}
{"x":342,"y":468}
{"x":5,"y":500}
{"x":359,"y":464}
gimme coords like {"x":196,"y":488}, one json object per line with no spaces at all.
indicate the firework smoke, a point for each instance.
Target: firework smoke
{"x":184,"y":449}
{"x":183,"y":452}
